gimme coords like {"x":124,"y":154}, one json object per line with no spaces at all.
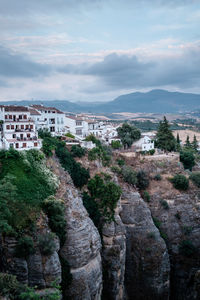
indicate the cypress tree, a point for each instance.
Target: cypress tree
{"x":195,"y":143}
{"x":188,"y":144}
{"x":164,"y":138}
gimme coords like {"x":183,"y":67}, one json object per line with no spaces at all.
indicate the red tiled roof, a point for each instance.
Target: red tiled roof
{"x":15,"y":108}
{"x":34,"y":112}
{"x":41,"y":107}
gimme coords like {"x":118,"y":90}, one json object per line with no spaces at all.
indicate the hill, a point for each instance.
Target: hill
{"x":155,"y":101}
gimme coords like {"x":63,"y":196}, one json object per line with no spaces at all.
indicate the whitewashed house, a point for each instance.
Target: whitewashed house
{"x":17,"y":128}
{"x":145,"y":143}
{"x":50,"y":118}
{"x":77,"y":126}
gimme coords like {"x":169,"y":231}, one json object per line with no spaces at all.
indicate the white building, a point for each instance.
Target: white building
{"x":18,"y":128}
{"x":49,"y":117}
{"x":77,"y":126}
{"x":145,"y":143}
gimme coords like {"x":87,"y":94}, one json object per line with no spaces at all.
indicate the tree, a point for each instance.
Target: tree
{"x":178,"y":142}
{"x":187,"y":143}
{"x":188,"y":159}
{"x":128,"y":134}
{"x":195,"y":143}
{"x":164,"y":138}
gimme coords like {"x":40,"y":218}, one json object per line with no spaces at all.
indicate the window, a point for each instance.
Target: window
{"x":20,"y":117}
{"x":78,"y":123}
{"x":10,"y":116}
{"x":79,"y":132}
{"x":24,"y":145}
{"x":35,"y":144}
{"x":7,"y":126}
{"x":26,"y":126}
{"x":52,"y":129}
{"x":28,"y":135}
{"x":12,"y":127}
{"x":22,"y":126}
{"x":14,"y":136}
{"x":6,"y":117}
{"x":16,"y":145}
{"x":31,"y":126}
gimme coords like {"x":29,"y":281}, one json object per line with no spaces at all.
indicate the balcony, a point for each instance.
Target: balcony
{"x":19,"y":120}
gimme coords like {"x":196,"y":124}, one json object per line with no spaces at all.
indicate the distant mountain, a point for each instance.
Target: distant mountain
{"x":155,"y":101}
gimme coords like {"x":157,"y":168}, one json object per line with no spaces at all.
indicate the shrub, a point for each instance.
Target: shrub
{"x":94,"y":154}
{"x":120,"y":162}
{"x":187,"y":158}
{"x":92,"y":208}
{"x":55,"y":211}
{"x":47,"y":244}
{"x":178,"y":216}
{"x":24,"y":247}
{"x":129,"y":175}
{"x":157,"y":223}
{"x":186,"y":248}
{"x":70,"y":135}
{"x":106,"y":195}
{"x":142,"y":180}
{"x":146,"y":196}
{"x":164,"y":204}
{"x":9,"y":286}
{"x":195,"y":177}
{"x":77,"y":151}
{"x":157,"y":177}
{"x":116,"y":169}
{"x":180,"y":182}
{"x":116,"y":144}
{"x":93,"y":139}
{"x":42,"y":133}
{"x":152,"y":151}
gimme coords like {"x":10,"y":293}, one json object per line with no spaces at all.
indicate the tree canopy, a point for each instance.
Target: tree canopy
{"x":164,"y":138}
{"x":128,"y":134}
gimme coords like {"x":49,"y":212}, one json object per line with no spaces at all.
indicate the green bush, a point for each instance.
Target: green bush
{"x":24,"y":247}
{"x":9,"y":286}
{"x":46,"y":243}
{"x":152,"y":151}
{"x":164,"y":204}
{"x":70,"y":135}
{"x":142,"y":180}
{"x":157,"y":177}
{"x":78,"y":174}
{"x":77,"y":151}
{"x":195,"y":177}
{"x":116,"y":144}
{"x":120,"y":162}
{"x":157,"y":223}
{"x":55,"y":211}
{"x":187,"y":158}
{"x":129,"y":175}
{"x":180,"y":182}
{"x":106,"y":194}
{"x":186,"y":248}
{"x":146,"y":196}
{"x":116,"y":169}
{"x":92,"y":208}
{"x":92,"y":138}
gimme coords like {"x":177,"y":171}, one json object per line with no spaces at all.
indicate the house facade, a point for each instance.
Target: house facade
{"x":49,"y":118}
{"x":145,"y":143}
{"x":17,"y":129}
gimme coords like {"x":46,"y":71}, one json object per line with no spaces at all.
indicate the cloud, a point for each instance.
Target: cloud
{"x":124,"y":71}
{"x":19,"y":65}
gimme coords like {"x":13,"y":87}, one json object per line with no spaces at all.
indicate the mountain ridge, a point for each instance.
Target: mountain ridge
{"x":154,"y":101}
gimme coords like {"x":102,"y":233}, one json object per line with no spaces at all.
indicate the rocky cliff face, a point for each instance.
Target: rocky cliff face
{"x":113,"y":257}
{"x":83,"y":244}
{"x":36,"y":269}
{"x":181,"y":225}
{"x":147,"y":261}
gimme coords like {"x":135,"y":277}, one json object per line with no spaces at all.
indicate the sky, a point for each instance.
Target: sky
{"x":96,"y":50}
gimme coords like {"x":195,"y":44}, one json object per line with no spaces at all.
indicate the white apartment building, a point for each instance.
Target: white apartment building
{"x":48,"y":117}
{"x":17,"y":129}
